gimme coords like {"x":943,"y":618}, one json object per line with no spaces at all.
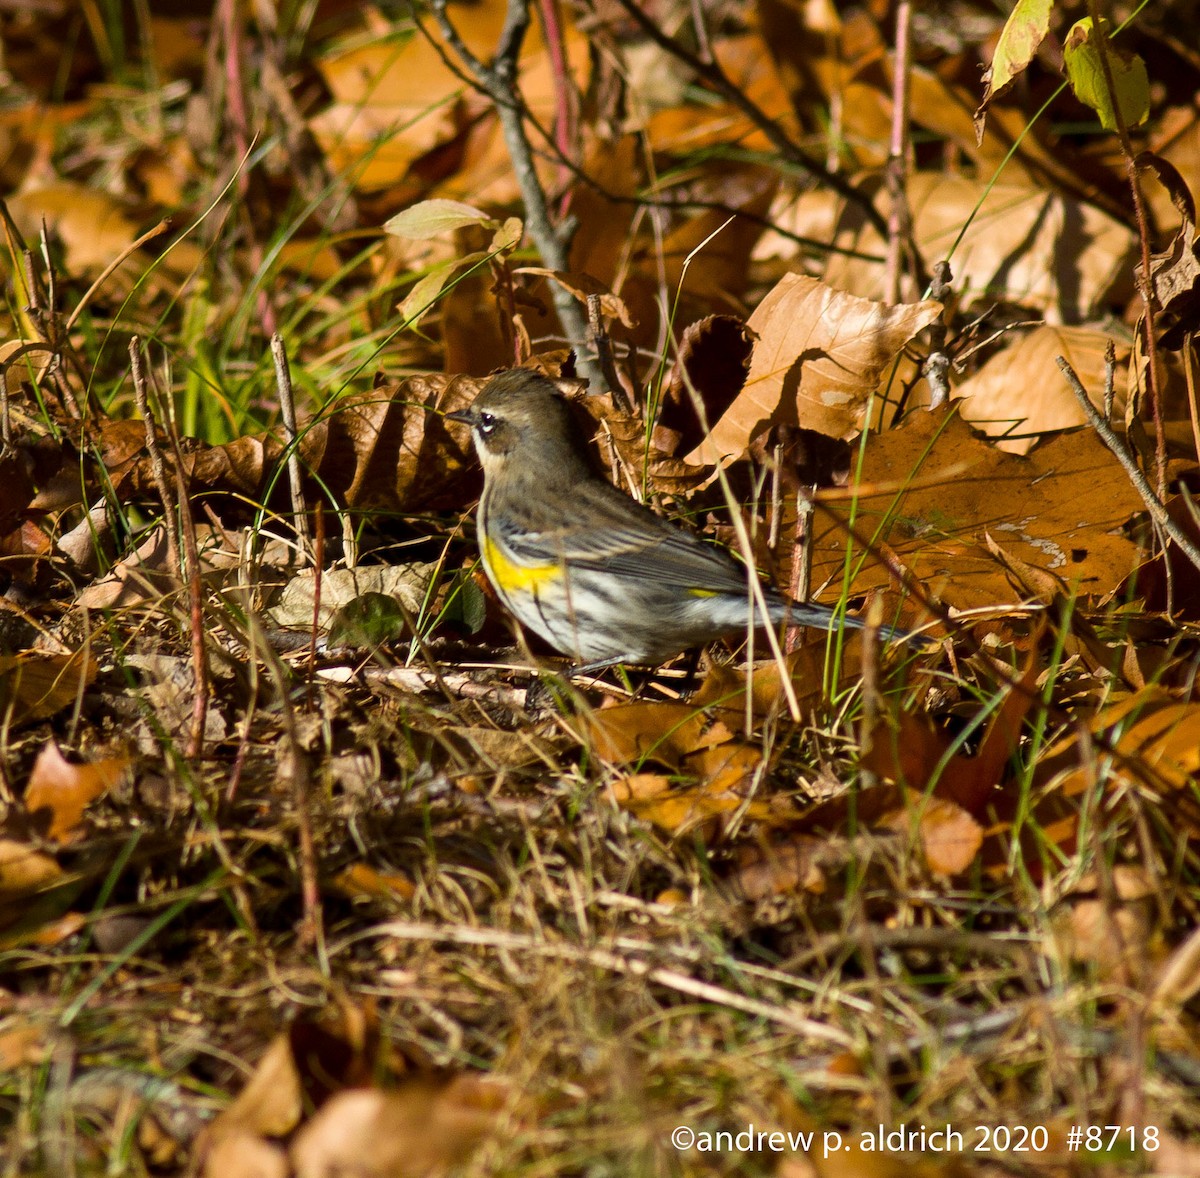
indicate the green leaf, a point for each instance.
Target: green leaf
{"x":466,"y":605}
{"x":1023,"y":32}
{"x":430,"y":218}
{"x":1084,"y":53}
{"x":368,"y":620}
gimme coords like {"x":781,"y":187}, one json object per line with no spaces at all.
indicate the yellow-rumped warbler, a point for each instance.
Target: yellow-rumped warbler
{"x":592,"y":571}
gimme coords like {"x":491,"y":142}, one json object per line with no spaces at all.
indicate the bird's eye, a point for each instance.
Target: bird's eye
{"x":487,"y":423}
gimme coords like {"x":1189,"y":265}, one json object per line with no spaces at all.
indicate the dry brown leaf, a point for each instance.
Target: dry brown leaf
{"x":1021,"y":391}
{"x":361,"y":879}
{"x":59,"y":791}
{"x":270,"y":1105}
{"x":35,"y":683}
{"x":242,"y":1154}
{"x":773,"y":869}
{"x":910,"y":751}
{"x":744,"y":59}
{"x":725,"y":774}
{"x":1061,"y":509}
{"x":419,"y":1130}
{"x":1040,"y":249}
{"x":950,"y":838}
{"x":385,"y":449}
{"x":93,"y":225}
{"x":25,"y":871}
{"x":628,"y":734}
{"x":711,"y":364}
{"x":1116,"y":933}
{"x":818,"y":358}
{"x":396,"y":101}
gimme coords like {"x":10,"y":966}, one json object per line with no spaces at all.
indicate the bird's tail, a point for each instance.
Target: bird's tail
{"x":821,"y":617}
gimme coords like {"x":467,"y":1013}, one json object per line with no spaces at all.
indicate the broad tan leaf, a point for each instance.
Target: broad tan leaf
{"x":818,"y":358}
{"x":35,"y":683}
{"x":1061,"y":509}
{"x":949,"y":837}
{"x":60,"y":791}
{"x":1014,"y":241}
{"x":1021,"y":391}
{"x":422,"y":1129}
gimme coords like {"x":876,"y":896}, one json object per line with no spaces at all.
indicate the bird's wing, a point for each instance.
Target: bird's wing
{"x":616,"y":534}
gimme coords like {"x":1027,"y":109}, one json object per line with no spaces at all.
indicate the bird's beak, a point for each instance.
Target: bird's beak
{"x":464,"y":415}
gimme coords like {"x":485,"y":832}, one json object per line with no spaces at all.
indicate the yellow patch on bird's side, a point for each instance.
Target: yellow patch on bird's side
{"x":702,"y":592}
{"x":511,"y":577}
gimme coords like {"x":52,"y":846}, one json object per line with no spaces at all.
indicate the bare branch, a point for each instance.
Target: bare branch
{"x":1154,"y":504}
{"x":498,"y":82}
{"x":718,"y":80}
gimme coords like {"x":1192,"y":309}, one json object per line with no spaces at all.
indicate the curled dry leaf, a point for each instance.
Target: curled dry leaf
{"x":24,"y":871}
{"x":388,"y":449}
{"x":628,"y":734}
{"x":59,"y":791}
{"x":818,"y":358}
{"x":716,"y":784}
{"x":712,"y":364}
{"x":271,"y":1103}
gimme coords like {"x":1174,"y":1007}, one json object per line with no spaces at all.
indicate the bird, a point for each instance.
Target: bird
{"x":583,"y":565}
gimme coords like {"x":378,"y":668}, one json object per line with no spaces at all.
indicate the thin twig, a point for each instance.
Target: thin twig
{"x":318,"y":571}
{"x":712,"y":73}
{"x":801,"y":575}
{"x":937,"y":365}
{"x":287,"y":407}
{"x":1154,"y":505}
{"x":499,"y":82}
{"x":158,"y":468}
{"x":896,"y":172}
{"x":1145,"y":280}
{"x":598,"y":338}
{"x":195,"y":747}
{"x":293,"y":768}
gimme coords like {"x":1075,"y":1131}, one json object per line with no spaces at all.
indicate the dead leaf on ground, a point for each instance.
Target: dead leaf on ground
{"x":25,"y":871}
{"x":1113,"y":928}
{"x":35,"y":683}
{"x":1062,"y":509}
{"x":629,"y":734}
{"x":418,"y":1130}
{"x":385,"y":449}
{"x":818,"y":358}
{"x":1020,"y":390}
{"x":775,"y":868}
{"x":909,"y":750}
{"x":1023,"y":244}
{"x":270,"y":1105}
{"x":59,"y":791}
{"x":949,"y":837}
{"x":295,"y":609}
